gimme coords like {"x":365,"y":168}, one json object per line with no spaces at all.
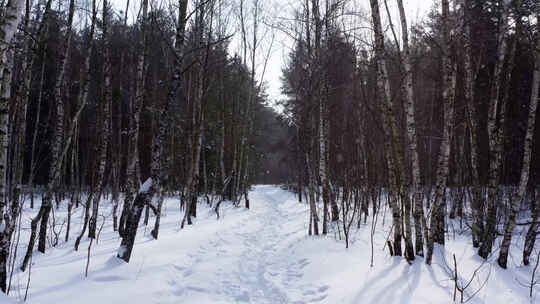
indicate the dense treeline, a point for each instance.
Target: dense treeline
{"x":99,"y":103}
{"x":441,"y":115}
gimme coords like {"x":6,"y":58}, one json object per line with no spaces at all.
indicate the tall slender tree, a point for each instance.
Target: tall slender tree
{"x":495,"y":128}
{"x":133,"y":165}
{"x":436,"y":229}
{"x":389,"y":124}
{"x":9,"y":20}
{"x":56,"y":150}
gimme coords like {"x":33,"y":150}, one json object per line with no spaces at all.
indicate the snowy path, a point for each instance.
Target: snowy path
{"x":250,"y":267}
{"x":262,"y":255}
{"x":244,"y":257}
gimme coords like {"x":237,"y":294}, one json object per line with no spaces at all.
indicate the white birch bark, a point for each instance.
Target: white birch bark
{"x":197,"y":122}
{"x":469,"y":83}
{"x":105,"y":118}
{"x":22,"y":95}
{"x":311,"y":196}
{"x":133,"y":157}
{"x":526,"y":161}
{"x":159,"y":153}
{"x":495,"y":140}
{"x":389,"y":124}
{"x":8,"y":26}
{"x":151,"y":186}
{"x":56,"y":152}
{"x":532,"y":232}
{"x":310,"y":125}
{"x":436,"y":230}
{"x":407,"y":87}
{"x":83,"y":98}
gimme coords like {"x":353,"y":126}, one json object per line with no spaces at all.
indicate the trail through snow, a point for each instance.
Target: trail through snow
{"x":246,"y":255}
{"x":262,"y":255}
{"x":250,"y":264}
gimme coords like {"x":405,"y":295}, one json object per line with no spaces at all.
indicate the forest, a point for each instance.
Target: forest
{"x":410,"y":146}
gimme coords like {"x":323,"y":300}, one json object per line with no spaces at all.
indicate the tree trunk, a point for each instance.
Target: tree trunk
{"x":472,"y":124}
{"x":8,"y":27}
{"x":407,"y":90}
{"x":83,"y":98}
{"x":56,"y":157}
{"x":193,"y":178}
{"x":143,"y":198}
{"x":35,"y":133}
{"x":42,"y":35}
{"x":393,"y":157}
{"x":436,"y":232}
{"x":533,"y":231}
{"x":134,"y":129}
{"x":105,"y":132}
{"x":56,"y":152}
{"x":312,"y":202}
{"x":172,"y":95}
{"x":495,"y":138}
{"x":197,"y":122}
{"x":526,"y":162}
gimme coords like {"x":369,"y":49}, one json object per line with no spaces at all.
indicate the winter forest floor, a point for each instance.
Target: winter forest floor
{"x":261,"y":255}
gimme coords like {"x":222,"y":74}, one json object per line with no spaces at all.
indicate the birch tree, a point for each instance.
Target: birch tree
{"x":83,"y":98}
{"x":472,"y":124}
{"x":525,"y":163}
{"x":151,"y":185}
{"x":436,"y":228}
{"x":532,"y":232}
{"x":9,"y":20}
{"x":389,"y":123}
{"x":495,"y":127}
{"x":525,"y":167}
{"x":82,"y":101}
{"x":56,"y":150}
{"x":172,"y":96}
{"x":133,"y":166}
{"x":197,"y":116}
{"x":407,"y":88}
{"x":105,"y":120}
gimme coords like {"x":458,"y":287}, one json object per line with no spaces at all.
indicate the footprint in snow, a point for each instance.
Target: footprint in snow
{"x":197,"y":289}
{"x":319,"y":299}
{"x":244,"y":297}
{"x":303,"y":263}
{"x":294,"y":275}
{"x":179,"y":292}
{"x":323,"y":288}
{"x":321,"y":291}
{"x":309,"y":293}
{"x":109,"y":278}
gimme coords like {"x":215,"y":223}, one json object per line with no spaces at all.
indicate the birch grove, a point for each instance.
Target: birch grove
{"x":424,"y":91}
{"x":421,"y":129}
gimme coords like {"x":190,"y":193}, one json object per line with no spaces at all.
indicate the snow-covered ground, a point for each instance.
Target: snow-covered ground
{"x":262,"y":255}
